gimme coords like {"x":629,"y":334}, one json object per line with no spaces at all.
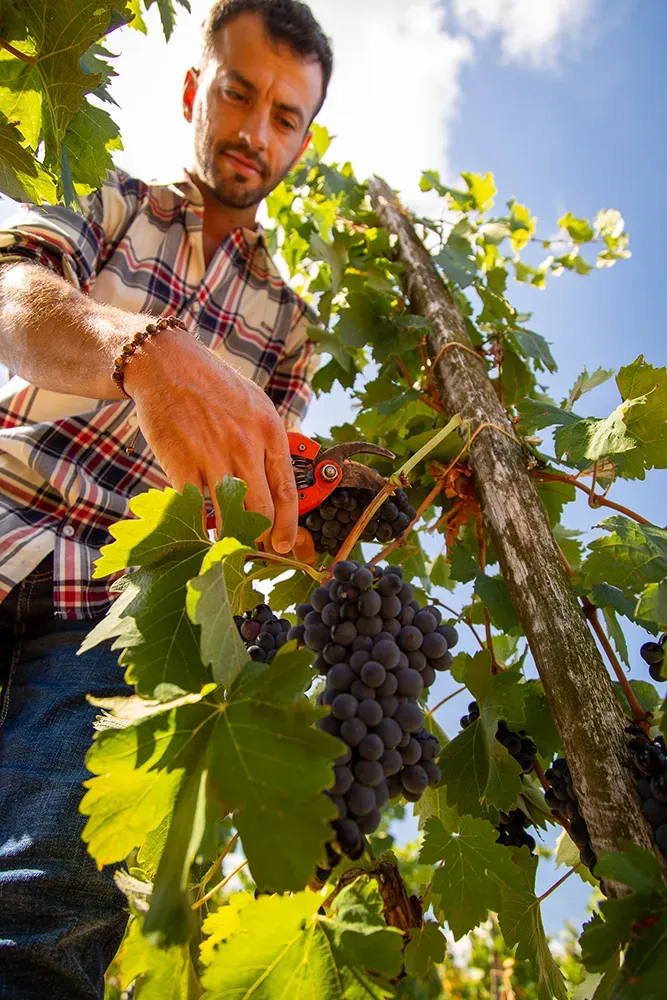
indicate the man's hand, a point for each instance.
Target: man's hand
{"x":203,"y":420}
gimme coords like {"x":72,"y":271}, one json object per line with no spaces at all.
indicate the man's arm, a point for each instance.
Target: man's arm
{"x":200,"y":418}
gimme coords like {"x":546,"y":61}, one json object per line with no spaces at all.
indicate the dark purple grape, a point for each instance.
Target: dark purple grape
{"x":262,"y":613}
{"x":386,"y":652}
{"x":388,"y":510}
{"x":404,"y":661}
{"x":390,"y":584}
{"x":388,"y":706}
{"x":370,"y":712}
{"x":655,"y":812}
{"x":270,"y":655}
{"x":390,"y":607}
{"x":332,"y":653}
{"x":425,"y":622}
{"x":434,"y":646}
{"x":416,"y":660}
{"x":362,"y":643}
{"x":409,"y":638}
{"x":362,"y":578}
{"x":344,"y":570}
{"x":652,"y":652}
{"x":430,"y":746}
{"x":404,"y":740}
{"x":358,"y":659}
{"x":431,"y":609}
{"x":349,"y":612}
{"x":344,"y":633}
{"x":414,"y":604}
{"x":384,"y":531}
{"x":265,"y":641}
{"x":319,"y":598}
{"x":347,"y":834}
{"x":342,"y":781}
{"x":256,"y":654}
{"x":407,"y":616}
{"x":405,"y":594}
{"x":409,"y":717}
{"x":353,"y":731}
{"x":381,"y":794}
{"x":369,"y":772}
{"x":331,"y":614}
{"x":412,"y":753}
{"x":329,"y":725}
{"x":344,"y":706}
{"x":372,"y":746}
{"x":369,"y":626}
{"x":371,"y":821}
{"x":316,"y":637}
{"x":433,"y":773}
{"x":655,"y":672}
{"x":410,"y":683}
{"x":450,"y":635}
{"x":344,"y":758}
{"x":340,"y":804}
{"x":281,"y":640}
{"x":428,"y":676}
{"x":370,"y":603}
{"x":391,"y":761}
{"x":659,"y":788}
{"x":401,"y":522}
{"x":388,"y":686}
{"x":373,"y":673}
{"x":250,"y":630}
{"x":394,"y":786}
{"x":414,"y":779}
{"x":661,"y":837}
{"x":442,"y":662}
{"x":643,"y":788}
{"x":383,"y":637}
{"x":302,"y":610}
{"x":331,"y":529}
{"x":389,"y":730}
{"x":391,"y":627}
{"x":361,"y":691}
{"x":340,"y":677}
{"x":579,"y":832}
{"x":360,"y":799}
{"x":314,"y":522}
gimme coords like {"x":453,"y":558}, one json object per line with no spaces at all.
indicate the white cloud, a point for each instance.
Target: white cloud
{"x":531,"y":31}
{"x":391,"y":103}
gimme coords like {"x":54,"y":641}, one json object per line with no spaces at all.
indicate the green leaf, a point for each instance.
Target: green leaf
{"x":137,"y":22}
{"x":533,"y":345}
{"x":91,"y":137}
{"x":288,"y":593}
{"x":580,"y":230}
{"x":275,"y":946}
{"x":585,"y":382}
{"x":652,"y":604}
{"x":567,"y":855}
{"x":238,"y":523}
{"x":457,"y":260}
{"x":265,"y":761}
{"x":439,"y":572}
{"x":426,"y":948}
{"x":161,"y":974}
{"x":644,"y":390}
{"x":646,"y":695}
{"x":482,"y":189}
{"x":207,"y":602}
{"x":22,"y":177}
{"x":615,"y":633}
{"x":476,"y":769}
{"x":494,"y":595}
{"x":630,"y":557}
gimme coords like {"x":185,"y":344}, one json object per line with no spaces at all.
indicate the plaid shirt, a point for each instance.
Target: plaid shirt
{"x":64,"y":474}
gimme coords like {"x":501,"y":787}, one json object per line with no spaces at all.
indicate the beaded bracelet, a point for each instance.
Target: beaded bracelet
{"x":128,"y":349}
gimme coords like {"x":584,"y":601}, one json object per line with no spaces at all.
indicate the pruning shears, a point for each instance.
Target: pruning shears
{"x":318,"y":473}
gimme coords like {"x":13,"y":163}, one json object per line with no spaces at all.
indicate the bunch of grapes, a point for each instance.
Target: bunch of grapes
{"x":518,"y":745}
{"x":332,"y":521}
{"x":653,"y":653}
{"x":512,"y":830}
{"x":263,"y":632}
{"x":379,"y":651}
{"x":561,"y":798}
{"x":650,"y":762}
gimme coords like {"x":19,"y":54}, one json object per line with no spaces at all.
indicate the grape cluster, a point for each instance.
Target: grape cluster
{"x":512,"y":830}
{"x":653,"y":653}
{"x":561,"y":798}
{"x":518,"y":745}
{"x":332,"y":521}
{"x":379,"y":651}
{"x":263,"y":632}
{"x":650,"y":764}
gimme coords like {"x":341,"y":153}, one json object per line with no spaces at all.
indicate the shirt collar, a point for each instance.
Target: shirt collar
{"x":186,"y":189}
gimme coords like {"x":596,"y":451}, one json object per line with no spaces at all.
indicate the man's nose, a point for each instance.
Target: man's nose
{"x":255,"y":129}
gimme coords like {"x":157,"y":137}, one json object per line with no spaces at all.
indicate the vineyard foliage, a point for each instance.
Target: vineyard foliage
{"x":215,"y":764}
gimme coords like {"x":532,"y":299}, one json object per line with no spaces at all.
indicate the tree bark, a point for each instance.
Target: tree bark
{"x":576,"y":682}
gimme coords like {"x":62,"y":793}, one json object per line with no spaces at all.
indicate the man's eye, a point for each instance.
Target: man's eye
{"x":233,"y":95}
{"x":286,"y":123}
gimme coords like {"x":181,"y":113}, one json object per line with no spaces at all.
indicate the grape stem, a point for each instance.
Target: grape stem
{"x":216,"y":864}
{"x":23,"y":56}
{"x":218,"y":887}
{"x":594,"y":500}
{"x":555,"y":886}
{"x":448,"y":698}
{"x":287,"y":563}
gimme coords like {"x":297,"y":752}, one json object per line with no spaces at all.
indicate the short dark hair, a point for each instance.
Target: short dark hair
{"x":288,"y":21}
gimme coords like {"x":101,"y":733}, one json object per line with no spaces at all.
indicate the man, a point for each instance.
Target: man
{"x":208,"y":400}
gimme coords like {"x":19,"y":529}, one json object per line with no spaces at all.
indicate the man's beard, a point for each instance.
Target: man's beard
{"x":234,"y":192}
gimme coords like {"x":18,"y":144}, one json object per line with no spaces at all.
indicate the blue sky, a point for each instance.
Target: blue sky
{"x":561,"y":99}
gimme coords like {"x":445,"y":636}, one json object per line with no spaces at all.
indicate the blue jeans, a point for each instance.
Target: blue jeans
{"x":61,"y":920}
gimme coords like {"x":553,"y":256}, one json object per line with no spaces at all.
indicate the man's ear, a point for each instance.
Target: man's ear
{"x":190,"y":85}
{"x":304,"y":146}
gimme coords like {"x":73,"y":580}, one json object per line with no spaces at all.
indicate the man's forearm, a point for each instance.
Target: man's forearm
{"x":58,"y":338}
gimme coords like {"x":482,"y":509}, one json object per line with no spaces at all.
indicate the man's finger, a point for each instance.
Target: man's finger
{"x":280,"y":477}
{"x":259,"y":499}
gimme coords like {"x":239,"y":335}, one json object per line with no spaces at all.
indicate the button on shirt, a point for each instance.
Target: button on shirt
{"x":64,"y":474}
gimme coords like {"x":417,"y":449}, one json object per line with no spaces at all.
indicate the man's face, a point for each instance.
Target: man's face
{"x":250,"y":105}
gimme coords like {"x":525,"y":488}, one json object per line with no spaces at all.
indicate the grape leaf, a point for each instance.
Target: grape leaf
{"x":615,"y":633}
{"x":567,"y":854}
{"x":22,"y":177}
{"x":476,"y":768}
{"x":295,"y":590}
{"x":264,"y":759}
{"x":222,"y":648}
{"x":652,"y":604}
{"x":604,"y":595}
{"x":427,"y":947}
{"x":637,"y":922}
{"x":159,"y":643}
{"x":584,"y":383}
{"x":275,"y":946}
{"x":92,"y":136}
{"x":494,"y":595}
{"x":644,"y":388}
{"x":629,"y":558}
{"x":161,"y":973}
{"x":238,"y":523}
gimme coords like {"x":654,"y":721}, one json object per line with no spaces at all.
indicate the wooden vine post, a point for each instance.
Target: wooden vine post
{"x":576,"y":682}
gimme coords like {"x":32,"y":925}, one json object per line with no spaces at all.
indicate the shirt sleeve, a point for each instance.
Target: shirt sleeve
{"x":289,"y":387}
{"x":73,"y":244}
